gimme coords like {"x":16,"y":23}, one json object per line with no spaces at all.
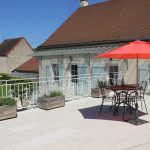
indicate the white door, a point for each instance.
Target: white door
{"x":113,"y":75}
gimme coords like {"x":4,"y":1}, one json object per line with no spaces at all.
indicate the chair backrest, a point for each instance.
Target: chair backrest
{"x":144,"y":85}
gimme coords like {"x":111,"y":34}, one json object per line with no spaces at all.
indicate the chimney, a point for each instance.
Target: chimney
{"x":84,"y":3}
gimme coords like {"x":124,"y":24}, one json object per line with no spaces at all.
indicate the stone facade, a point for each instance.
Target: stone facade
{"x":3,"y":65}
{"x":20,"y":54}
{"x":17,"y":56}
{"x":126,"y":71}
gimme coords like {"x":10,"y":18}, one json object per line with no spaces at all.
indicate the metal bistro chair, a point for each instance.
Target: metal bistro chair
{"x":106,"y":97}
{"x":140,"y":96}
{"x":123,"y":97}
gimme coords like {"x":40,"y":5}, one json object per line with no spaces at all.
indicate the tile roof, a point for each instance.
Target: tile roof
{"x":7,"y":45}
{"x":107,"y":21}
{"x":29,"y":66}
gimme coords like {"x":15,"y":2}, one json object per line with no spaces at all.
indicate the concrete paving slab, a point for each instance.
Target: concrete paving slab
{"x":77,"y":126}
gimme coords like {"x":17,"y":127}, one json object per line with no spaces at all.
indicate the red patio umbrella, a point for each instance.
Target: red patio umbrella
{"x":133,"y":50}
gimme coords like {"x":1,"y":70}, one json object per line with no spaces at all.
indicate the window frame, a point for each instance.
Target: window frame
{"x":74,"y":73}
{"x":113,"y":74}
{"x":55,"y":68}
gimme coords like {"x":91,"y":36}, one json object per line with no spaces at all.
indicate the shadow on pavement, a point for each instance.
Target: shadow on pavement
{"x":106,"y":114}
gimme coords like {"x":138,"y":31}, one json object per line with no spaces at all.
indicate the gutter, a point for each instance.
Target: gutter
{"x":88,"y":44}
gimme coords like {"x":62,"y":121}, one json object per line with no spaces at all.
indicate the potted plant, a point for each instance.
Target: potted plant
{"x":100,"y":90}
{"x":8,"y":108}
{"x":53,"y":100}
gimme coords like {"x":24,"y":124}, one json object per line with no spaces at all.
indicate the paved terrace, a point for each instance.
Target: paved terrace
{"x":77,"y":126}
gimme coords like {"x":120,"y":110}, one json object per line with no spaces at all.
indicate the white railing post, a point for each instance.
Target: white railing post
{"x":6,"y":89}
{"x":89,"y":84}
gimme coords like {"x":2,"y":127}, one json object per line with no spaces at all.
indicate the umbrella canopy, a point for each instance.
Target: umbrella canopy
{"x":132,"y":50}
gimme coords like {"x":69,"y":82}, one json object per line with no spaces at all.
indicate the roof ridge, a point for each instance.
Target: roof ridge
{"x":15,"y":38}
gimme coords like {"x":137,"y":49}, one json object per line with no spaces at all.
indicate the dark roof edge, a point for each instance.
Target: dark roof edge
{"x":89,"y":43}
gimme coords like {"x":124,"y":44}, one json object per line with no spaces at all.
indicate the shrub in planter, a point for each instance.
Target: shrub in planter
{"x":53,"y":100}
{"x":100,"y":90}
{"x":54,"y":94}
{"x":8,"y":108}
{"x":7,"y":101}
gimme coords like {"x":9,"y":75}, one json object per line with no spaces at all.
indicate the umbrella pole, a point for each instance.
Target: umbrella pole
{"x":136,"y":104}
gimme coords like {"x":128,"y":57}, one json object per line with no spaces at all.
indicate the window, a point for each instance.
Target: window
{"x":74,"y":73}
{"x":98,"y":71}
{"x":47,"y":73}
{"x":113,"y":75}
{"x":56,"y":71}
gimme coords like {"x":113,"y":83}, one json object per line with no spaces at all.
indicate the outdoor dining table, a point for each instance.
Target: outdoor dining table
{"x":126,"y":87}
{"x":122,"y":89}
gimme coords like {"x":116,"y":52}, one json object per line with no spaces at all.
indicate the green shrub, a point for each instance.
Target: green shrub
{"x":5,"y":76}
{"x":101,"y":85}
{"x":54,"y":94}
{"x":7,"y":101}
{"x":22,"y":87}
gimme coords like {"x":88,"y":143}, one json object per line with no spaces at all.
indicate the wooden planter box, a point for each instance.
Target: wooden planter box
{"x":52,"y":102}
{"x":7,"y":112}
{"x":96,"y":92}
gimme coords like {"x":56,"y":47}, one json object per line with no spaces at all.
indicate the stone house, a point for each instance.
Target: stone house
{"x":70,"y":52}
{"x":13,"y":53}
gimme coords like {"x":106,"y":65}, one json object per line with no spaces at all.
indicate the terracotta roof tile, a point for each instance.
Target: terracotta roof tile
{"x":29,"y":66}
{"x":107,"y":21}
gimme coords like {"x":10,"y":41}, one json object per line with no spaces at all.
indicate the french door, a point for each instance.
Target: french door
{"x":113,"y":75}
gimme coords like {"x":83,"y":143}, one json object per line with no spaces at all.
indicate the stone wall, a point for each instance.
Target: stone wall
{"x":19,"y":55}
{"x":3,"y":65}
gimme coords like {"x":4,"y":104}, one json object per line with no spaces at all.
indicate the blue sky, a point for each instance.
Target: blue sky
{"x":36,"y":20}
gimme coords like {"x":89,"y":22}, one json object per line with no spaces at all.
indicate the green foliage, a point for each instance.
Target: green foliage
{"x":4,"y":91}
{"x":7,"y":101}
{"x":54,"y":94}
{"x":5,"y":76}
{"x":18,"y":87}
{"x":101,"y":85}
{"x":22,"y":87}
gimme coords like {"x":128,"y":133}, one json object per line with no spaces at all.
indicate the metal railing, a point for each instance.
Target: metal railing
{"x":28,"y":91}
